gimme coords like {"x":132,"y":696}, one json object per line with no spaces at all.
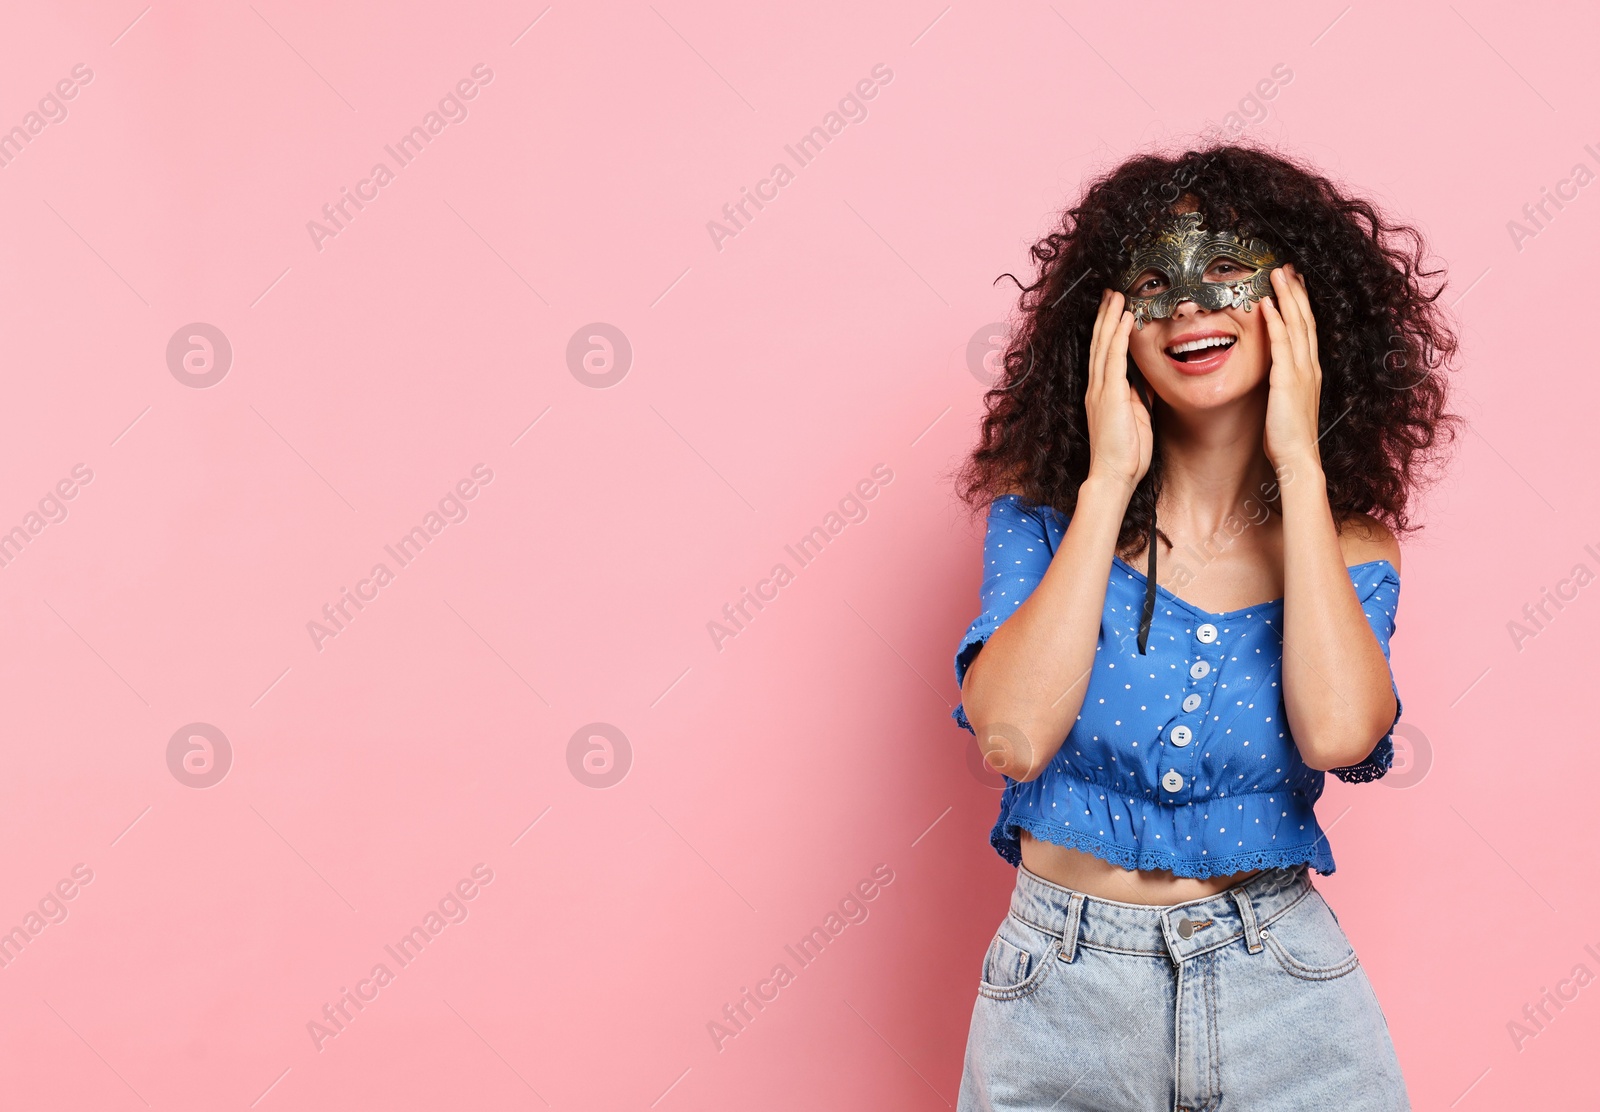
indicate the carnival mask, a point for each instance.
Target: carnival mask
{"x":1182,"y":253}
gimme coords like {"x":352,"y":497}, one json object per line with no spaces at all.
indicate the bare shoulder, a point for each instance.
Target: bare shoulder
{"x":1364,"y":538}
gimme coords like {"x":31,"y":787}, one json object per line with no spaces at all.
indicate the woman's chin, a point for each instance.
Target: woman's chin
{"x":1206,"y":393}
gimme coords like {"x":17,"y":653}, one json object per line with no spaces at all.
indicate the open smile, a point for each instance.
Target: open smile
{"x":1198,"y":353}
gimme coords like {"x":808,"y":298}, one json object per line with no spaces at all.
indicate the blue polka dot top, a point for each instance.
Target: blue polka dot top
{"x":1181,"y":758}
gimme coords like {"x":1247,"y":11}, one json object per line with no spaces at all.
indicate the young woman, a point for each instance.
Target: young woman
{"x":1228,"y":374}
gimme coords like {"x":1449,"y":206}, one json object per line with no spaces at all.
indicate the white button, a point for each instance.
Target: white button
{"x":1191,"y":701}
{"x":1172,"y":781}
{"x":1181,"y":735}
{"x":1199,"y":669}
{"x":1206,"y":633}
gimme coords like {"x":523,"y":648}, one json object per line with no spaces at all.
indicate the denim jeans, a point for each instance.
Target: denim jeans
{"x":1252,"y":999}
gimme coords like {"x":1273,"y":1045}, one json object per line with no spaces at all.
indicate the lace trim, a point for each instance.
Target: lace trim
{"x":1381,"y":759}
{"x":1378,"y":762}
{"x":1315,"y":854}
{"x":976,"y":638}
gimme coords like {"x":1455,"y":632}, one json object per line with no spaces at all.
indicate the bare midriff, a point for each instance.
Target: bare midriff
{"x":1094,"y":876}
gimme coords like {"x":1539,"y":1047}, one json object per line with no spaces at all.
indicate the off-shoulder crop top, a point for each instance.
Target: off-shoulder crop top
{"x":1181,"y":758}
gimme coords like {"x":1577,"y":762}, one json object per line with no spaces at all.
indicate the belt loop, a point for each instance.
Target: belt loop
{"x":1247,"y":912}
{"x":1069,"y":933}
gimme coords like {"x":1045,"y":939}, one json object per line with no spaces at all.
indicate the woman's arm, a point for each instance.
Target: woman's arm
{"x":1337,"y":687}
{"x":1023,"y":691}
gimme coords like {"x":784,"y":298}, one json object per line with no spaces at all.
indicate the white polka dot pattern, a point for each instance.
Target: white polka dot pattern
{"x":1149,"y":776}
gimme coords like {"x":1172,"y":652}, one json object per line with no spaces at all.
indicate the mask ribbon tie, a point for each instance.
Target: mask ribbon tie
{"x":1147,"y":612}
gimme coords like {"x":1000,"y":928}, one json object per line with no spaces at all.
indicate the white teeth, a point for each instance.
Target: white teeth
{"x":1197,"y":345}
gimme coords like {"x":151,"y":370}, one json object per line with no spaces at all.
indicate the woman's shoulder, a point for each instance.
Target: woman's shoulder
{"x":1363,"y":538}
{"x":1014,"y":499}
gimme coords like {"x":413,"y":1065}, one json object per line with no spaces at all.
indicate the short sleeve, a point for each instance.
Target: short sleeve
{"x":1017,"y":550}
{"x":1380,"y":598}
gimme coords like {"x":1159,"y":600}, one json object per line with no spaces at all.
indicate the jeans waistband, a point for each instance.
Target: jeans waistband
{"x":1176,"y":931}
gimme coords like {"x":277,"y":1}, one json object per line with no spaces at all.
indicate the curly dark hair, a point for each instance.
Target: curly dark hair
{"x":1383,"y":341}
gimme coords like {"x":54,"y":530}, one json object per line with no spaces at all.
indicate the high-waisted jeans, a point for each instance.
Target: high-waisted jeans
{"x":1252,"y":1000}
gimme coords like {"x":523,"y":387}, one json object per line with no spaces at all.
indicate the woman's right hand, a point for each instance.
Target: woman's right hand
{"x":1120,"y":436}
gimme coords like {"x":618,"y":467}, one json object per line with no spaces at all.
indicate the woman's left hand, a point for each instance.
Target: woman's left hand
{"x":1294,"y":388}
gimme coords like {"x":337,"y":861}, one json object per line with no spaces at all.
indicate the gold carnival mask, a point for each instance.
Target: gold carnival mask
{"x":1181,"y":252}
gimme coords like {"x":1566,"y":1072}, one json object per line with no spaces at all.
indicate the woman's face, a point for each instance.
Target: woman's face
{"x":1198,"y":358}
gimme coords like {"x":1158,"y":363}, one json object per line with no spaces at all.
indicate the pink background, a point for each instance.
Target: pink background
{"x":765,"y":778}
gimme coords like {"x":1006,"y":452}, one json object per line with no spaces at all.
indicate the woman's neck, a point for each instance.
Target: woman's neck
{"x":1213,"y":467}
